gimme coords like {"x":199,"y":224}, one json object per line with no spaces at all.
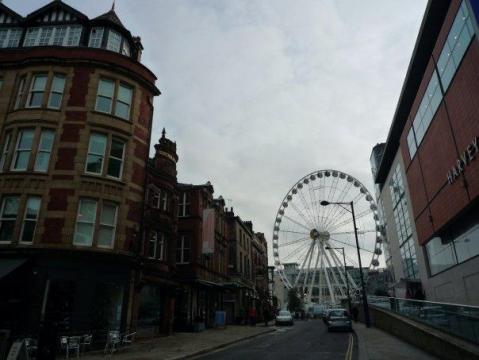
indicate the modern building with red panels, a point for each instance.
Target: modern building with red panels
{"x":432,"y":148}
{"x":76,"y":107}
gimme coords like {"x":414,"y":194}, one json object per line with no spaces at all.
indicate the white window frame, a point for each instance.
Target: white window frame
{"x":92,"y":40}
{"x":164,"y":200}
{"x":103,"y":96}
{"x":20,"y":92}
{"x":17,"y":150}
{"x":30,"y":220}
{"x":2,"y":209}
{"x":53,"y":91}
{"x":31,"y":91}
{"x":117,"y":100}
{"x":122,"y":159}
{"x":182,"y":250}
{"x":33,"y":40}
{"x":5,"y":150}
{"x":102,"y":155}
{"x":182,"y":205}
{"x":44,"y":151}
{"x":113,"y":36}
{"x":77,"y":221}
{"x":153,"y":240}
{"x":12,"y":37}
{"x":115,"y":221}
{"x":161,"y":244}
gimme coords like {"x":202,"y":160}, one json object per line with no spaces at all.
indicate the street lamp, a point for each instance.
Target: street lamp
{"x":345,"y":272}
{"x":363,"y":289}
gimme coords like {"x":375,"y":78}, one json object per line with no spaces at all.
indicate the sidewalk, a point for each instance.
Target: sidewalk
{"x":375,"y":344}
{"x":185,"y":345}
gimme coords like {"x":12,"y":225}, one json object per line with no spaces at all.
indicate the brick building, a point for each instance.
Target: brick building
{"x":156,"y":281}
{"x":259,"y":261}
{"x":201,"y":256}
{"x":75,"y":119}
{"x":429,"y":173}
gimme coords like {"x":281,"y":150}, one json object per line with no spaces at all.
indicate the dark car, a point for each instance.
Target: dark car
{"x":339,"y":319}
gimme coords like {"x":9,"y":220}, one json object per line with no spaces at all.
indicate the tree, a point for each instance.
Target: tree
{"x":294,"y":301}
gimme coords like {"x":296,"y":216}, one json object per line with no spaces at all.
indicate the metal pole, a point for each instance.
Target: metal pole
{"x":347,"y":281}
{"x":363,"y":290}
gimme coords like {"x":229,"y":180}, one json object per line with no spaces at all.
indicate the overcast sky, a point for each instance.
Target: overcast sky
{"x":259,"y":93}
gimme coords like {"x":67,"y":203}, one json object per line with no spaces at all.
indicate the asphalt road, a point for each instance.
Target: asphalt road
{"x":304,"y":340}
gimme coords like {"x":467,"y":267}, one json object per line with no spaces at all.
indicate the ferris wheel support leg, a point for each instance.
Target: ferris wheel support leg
{"x":331,"y":290}
{"x":335,"y":278}
{"x":306,"y":277}
{"x":339,"y":266}
{"x":315,"y":269}
{"x":350,"y":279}
{"x":320,"y":279}
{"x":302,"y":265}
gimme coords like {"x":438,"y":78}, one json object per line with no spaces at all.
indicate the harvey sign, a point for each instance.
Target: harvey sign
{"x":464,"y":160}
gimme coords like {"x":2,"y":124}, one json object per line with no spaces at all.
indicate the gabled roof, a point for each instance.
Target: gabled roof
{"x":5,"y":9}
{"x":110,"y":16}
{"x":56,"y":4}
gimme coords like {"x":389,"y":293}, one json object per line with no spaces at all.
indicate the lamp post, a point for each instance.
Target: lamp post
{"x":363,"y":289}
{"x":345,"y":272}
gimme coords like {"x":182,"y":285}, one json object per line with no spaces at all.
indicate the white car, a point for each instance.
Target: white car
{"x":284,"y":317}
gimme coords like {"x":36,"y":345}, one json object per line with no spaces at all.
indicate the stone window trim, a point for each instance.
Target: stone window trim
{"x":97,"y":222}
{"x":107,"y":157}
{"x":35,"y":149}
{"x":20,"y":217}
{"x":24,"y":90}
{"x":116,"y":102}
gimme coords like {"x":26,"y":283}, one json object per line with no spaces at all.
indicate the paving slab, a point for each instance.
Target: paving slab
{"x":185,"y":345}
{"x":375,"y":344}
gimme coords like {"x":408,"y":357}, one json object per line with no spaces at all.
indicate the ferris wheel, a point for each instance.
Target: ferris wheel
{"x":314,"y":239}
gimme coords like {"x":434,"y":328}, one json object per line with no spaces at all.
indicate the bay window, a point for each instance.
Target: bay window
{"x":8,"y":217}
{"x":106,"y":232}
{"x":123,"y":101}
{"x":37,"y":89}
{"x":5,"y":150}
{"x":96,"y":154}
{"x":85,"y":223}
{"x":104,"y":99}
{"x":115,"y":160}
{"x":20,"y":93}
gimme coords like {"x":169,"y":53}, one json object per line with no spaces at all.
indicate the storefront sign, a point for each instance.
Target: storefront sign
{"x":465,"y":159}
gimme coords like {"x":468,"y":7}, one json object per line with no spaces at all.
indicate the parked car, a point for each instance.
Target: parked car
{"x":284,"y":317}
{"x":338,"y":319}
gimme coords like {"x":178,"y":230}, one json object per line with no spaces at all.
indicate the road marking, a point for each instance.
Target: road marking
{"x":349,"y":352}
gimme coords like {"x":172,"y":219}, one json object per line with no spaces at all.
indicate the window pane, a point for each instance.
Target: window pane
{"x":6,"y":230}
{"x":467,"y":245}
{"x":10,"y":207}
{"x":83,"y":234}
{"x":55,"y":100}
{"x":21,"y":162}
{"x":114,"y":40}
{"x":108,"y":215}
{"x":117,"y":149}
{"x":124,"y":94}
{"x":122,"y":110}
{"x":28,"y":231}
{"x":114,"y":168}
{"x":106,"y":88}
{"x":41,"y":162}
{"x":46,"y":141}
{"x":103,"y":104}
{"x":96,"y":36}
{"x":74,"y":36}
{"x":94,"y":164}
{"x":87,"y":211}
{"x":440,"y":256}
{"x":36,"y":99}
{"x":58,"y":83}
{"x":105,"y":236}
{"x":33,"y":205}
{"x":97,"y":144}
{"x":39,"y":82}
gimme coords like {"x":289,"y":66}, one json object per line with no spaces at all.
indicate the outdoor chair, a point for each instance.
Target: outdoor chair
{"x":85,"y":342}
{"x":128,"y":339}
{"x":69,"y":344}
{"x":113,"y":341}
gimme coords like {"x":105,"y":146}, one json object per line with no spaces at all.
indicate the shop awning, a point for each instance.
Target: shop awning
{"x":8,"y":265}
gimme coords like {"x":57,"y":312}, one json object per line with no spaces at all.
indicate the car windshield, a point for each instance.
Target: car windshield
{"x":338,"y":313}
{"x":284,"y":313}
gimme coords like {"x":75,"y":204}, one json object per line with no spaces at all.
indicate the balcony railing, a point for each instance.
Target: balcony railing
{"x":458,"y":320}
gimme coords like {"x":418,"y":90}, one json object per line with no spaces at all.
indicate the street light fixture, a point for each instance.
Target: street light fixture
{"x":363,"y":289}
{"x":345,"y":272}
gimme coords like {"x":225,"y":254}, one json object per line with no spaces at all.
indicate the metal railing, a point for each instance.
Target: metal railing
{"x":458,"y":320}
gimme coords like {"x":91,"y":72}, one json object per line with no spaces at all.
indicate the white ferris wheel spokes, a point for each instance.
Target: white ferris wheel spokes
{"x":308,"y":237}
